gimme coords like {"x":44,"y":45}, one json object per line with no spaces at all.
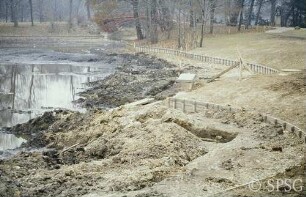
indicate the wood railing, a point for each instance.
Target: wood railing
{"x":197,"y":106}
{"x":260,"y":69}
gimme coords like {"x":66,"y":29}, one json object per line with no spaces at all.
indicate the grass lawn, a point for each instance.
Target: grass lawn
{"x":284,"y":50}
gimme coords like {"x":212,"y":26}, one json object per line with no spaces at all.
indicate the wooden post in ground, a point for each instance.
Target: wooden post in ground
{"x":240,"y":69}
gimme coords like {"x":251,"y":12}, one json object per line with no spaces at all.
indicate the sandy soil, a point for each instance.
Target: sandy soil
{"x":280,"y":95}
{"x":138,"y":150}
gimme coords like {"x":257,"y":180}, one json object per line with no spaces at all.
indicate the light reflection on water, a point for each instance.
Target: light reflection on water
{"x":26,"y":91}
{"x":9,"y":141}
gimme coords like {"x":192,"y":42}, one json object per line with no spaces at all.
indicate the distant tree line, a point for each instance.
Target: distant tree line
{"x":154,"y":16}
{"x":44,"y":11}
{"x":150,"y":17}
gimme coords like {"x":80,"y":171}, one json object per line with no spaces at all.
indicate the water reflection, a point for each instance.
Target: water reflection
{"x":28,"y":90}
{"x":9,"y":141}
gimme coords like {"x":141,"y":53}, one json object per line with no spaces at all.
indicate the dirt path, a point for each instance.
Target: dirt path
{"x":278,"y":30}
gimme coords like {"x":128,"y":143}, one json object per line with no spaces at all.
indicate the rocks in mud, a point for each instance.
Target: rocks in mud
{"x":227,"y":165}
{"x":51,"y":157}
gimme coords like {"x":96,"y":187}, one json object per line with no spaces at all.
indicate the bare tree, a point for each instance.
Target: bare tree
{"x":6,"y":10}
{"x":135,"y":4}
{"x":41,"y":10}
{"x":260,"y":2}
{"x":212,"y":7}
{"x":31,"y":12}
{"x":241,"y":14}
{"x":179,"y":40}
{"x":165,"y":21}
{"x":154,"y":22}
{"x":250,"y":14}
{"x":70,"y":15}
{"x":227,"y":11}
{"x":14,"y":11}
{"x":272,"y":16}
{"x":191,"y":15}
{"x":88,"y":9}
{"x":203,"y":11}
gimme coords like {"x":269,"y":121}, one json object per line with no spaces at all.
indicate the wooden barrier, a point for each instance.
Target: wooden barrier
{"x":260,"y":69}
{"x":196,"y":106}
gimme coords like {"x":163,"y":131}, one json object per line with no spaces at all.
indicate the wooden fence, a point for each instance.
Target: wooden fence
{"x":260,"y":69}
{"x":196,"y":106}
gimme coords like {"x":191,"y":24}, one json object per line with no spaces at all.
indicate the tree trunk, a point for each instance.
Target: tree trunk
{"x":31,"y":12}
{"x":250,"y":14}
{"x":70,"y":15}
{"x":14,"y":12}
{"x":286,"y":18}
{"x":212,"y":15}
{"x":227,"y":12}
{"x":88,"y":10}
{"x":191,"y":15}
{"x":154,"y":33}
{"x":203,"y":23}
{"x":135,"y":4}
{"x":148,"y":22}
{"x":55,"y":11}
{"x":241,"y":14}
{"x":6,"y":10}
{"x":165,"y":21}
{"x":258,"y":11}
{"x":40,"y":8}
{"x":179,"y":41}
{"x":202,"y":27}
{"x":272,"y":16}
{"x":21,"y":7}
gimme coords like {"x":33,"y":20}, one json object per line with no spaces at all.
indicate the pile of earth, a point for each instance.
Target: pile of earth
{"x":119,"y":150}
{"x":294,"y":84}
{"x":137,"y":77}
{"x":124,"y":149}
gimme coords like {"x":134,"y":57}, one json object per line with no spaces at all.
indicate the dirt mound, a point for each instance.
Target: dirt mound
{"x":138,"y":76}
{"x":295,"y":84}
{"x":133,"y":148}
{"x":120,"y":150}
{"x":34,"y":129}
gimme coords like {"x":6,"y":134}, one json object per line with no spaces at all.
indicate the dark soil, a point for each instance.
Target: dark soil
{"x":137,"y":77}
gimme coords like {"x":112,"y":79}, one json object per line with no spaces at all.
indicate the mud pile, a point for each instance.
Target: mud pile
{"x":121,"y":150}
{"x":130,"y":149}
{"x":137,"y":77}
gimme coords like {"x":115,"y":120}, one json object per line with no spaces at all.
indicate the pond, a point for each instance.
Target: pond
{"x":33,"y":81}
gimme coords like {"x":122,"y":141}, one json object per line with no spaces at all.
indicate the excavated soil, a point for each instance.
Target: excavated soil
{"x":131,"y":149}
{"x":137,"y":77}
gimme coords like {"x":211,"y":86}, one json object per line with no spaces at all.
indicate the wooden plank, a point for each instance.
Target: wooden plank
{"x":222,"y":73}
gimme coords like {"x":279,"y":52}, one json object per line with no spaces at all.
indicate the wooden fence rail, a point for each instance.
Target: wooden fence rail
{"x":196,"y":106}
{"x":260,"y":69}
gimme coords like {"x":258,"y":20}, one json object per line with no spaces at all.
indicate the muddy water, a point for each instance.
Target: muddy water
{"x":46,"y":80}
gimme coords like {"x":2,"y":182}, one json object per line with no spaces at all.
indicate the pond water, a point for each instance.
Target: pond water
{"x":9,"y":141}
{"x":46,"y":81}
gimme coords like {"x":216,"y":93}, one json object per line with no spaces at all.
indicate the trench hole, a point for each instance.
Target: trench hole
{"x":207,"y":133}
